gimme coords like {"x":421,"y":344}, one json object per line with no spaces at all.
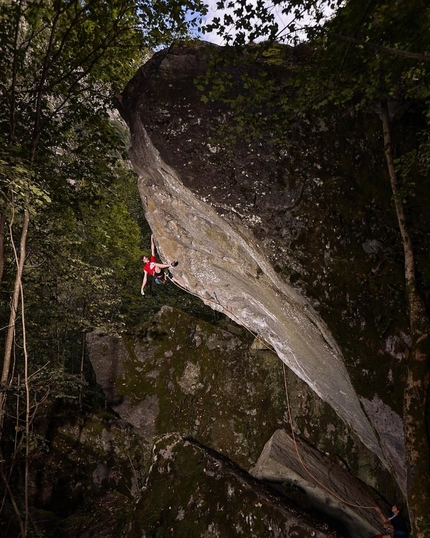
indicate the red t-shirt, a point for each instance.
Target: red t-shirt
{"x":150,"y":266}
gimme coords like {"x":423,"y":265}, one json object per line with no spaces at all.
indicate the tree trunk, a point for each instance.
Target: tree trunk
{"x":15,"y":300}
{"x":417,"y":384}
{"x":27,"y":416}
{"x":2,"y":226}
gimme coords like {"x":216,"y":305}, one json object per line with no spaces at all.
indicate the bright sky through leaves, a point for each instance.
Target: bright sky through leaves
{"x":280,"y":19}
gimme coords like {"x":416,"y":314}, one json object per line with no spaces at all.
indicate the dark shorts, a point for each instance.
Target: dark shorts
{"x":160,"y":278}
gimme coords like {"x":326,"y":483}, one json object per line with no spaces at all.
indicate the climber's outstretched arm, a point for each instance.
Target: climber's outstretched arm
{"x":145,"y":278}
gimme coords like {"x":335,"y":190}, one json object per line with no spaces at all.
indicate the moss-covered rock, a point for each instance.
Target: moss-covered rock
{"x":178,"y":373}
{"x":175,"y":373}
{"x":193,"y":492}
{"x":89,"y":477}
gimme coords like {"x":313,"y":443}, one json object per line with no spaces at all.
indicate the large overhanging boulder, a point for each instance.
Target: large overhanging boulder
{"x":202,"y":206}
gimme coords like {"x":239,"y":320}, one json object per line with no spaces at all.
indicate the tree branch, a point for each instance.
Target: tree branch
{"x":395,"y":52}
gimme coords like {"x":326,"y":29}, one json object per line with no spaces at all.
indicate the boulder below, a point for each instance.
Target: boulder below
{"x":194,"y":492}
{"x":327,"y":487}
{"x":204,"y":389}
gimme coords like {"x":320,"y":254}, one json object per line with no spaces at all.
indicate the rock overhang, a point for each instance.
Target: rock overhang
{"x":183,"y":183}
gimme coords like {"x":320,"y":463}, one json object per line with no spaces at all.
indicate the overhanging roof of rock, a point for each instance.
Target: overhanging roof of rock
{"x":184,"y":180}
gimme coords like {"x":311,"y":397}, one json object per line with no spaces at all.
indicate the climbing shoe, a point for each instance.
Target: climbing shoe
{"x":174,"y":264}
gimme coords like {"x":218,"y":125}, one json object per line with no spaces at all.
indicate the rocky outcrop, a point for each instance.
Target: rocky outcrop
{"x":322,"y":484}
{"x":230,"y":217}
{"x":177,"y":373}
{"x":84,"y":485}
{"x":215,"y":393}
{"x":193,"y":492}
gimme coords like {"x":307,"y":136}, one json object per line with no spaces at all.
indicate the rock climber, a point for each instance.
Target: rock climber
{"x":395,"y":525}
{"x":156,"y":269}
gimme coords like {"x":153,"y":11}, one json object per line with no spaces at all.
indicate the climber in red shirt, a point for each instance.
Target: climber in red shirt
{"x":154,"y":268}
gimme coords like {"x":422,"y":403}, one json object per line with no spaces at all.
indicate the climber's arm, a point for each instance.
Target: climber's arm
{"x":145,"y":278}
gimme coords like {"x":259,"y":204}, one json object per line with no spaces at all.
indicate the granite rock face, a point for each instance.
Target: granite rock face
{"x":232,"y":219}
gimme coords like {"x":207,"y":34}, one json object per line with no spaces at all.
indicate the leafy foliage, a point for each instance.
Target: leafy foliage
{"x":63,"y":163}
{"x":62,"y":156}
{"x":293,"y":22}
